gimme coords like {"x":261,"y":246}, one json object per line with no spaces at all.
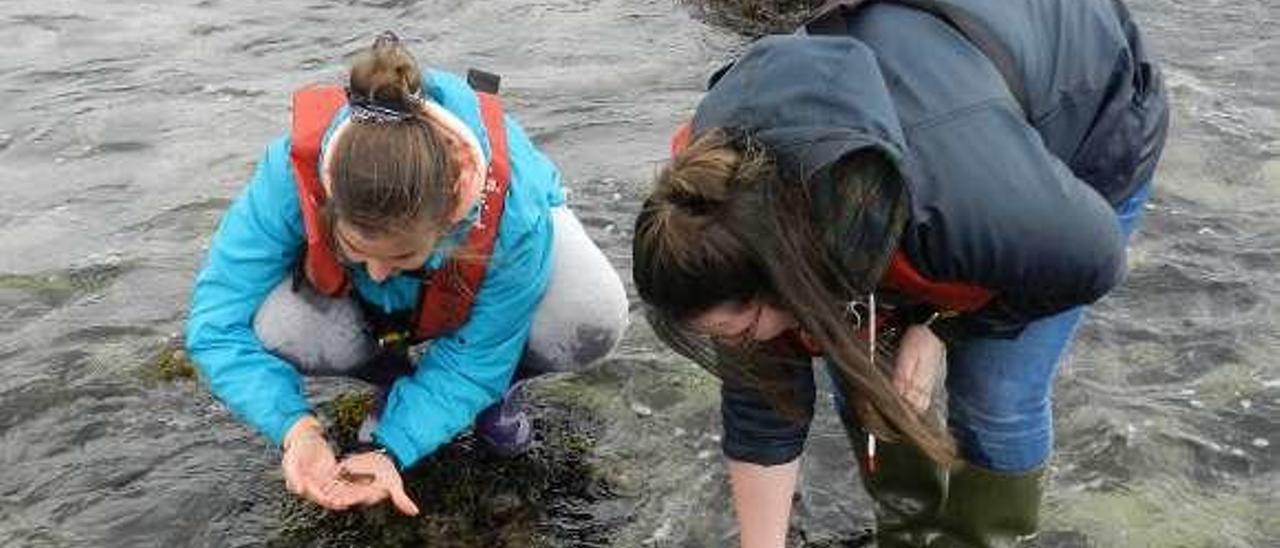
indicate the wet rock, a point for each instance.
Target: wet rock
{"x":798,"y":538}
{"x":641,"y":409}
{"x":56,"y":288}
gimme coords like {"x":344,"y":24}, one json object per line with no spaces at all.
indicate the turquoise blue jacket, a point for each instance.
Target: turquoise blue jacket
{"x":259,"y":240}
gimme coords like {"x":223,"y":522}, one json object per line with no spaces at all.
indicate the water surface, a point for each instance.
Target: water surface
{"x":127,"y":127}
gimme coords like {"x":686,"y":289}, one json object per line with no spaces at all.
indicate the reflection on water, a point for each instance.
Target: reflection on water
{"x":125,"y":129}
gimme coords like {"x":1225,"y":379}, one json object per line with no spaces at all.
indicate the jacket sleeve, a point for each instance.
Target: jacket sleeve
{"x":463,"y":373}
{"x":254,"y":248}
{"x":1012,"y":218}
{"x":755,"y":431}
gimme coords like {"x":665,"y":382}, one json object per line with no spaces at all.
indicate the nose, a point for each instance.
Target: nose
{"x":379,"y":271}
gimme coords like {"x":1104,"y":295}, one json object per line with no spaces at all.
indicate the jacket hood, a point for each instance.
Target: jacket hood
{"x":813,"y":101}
{"x":810,"y":99}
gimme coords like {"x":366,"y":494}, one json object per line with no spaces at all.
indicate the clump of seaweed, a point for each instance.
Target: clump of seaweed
{"x":170,"y":363}
{"x":346,"y":412}
{"x":755,"y":17}
{"x":552,"y":496}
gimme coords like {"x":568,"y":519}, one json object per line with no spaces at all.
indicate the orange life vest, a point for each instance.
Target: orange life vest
{"x":900,"y":275}
{"x":447,"y":294}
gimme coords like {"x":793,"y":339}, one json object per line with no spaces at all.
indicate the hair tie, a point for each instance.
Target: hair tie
{"x":370,"y":110}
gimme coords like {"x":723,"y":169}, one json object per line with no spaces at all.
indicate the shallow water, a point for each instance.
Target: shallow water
{"x":125,"y":129}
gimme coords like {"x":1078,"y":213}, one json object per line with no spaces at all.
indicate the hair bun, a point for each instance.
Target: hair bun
{"x":387,"y":74}
{"x":703,"y":176}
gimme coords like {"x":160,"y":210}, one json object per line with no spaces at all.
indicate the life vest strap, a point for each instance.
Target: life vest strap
{"x":447,"y":297}
{"x":313,"y":110}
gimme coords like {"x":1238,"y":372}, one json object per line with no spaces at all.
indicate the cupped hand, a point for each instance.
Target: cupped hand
{"x":918,"y":366}
{"x":309,"y":464}
{"x":370,"y":478}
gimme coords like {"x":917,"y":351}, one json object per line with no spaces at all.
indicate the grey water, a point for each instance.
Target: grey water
{"x":127,"y":127}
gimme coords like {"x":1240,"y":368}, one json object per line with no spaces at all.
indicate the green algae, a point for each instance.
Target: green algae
{"x":169,"y":363}
{"x":54,"y":288}
{"x":1229,"y":383}
{"x":1159,"y":515}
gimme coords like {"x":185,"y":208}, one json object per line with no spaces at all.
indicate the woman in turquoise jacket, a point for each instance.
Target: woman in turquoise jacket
{"x":330,"y":258}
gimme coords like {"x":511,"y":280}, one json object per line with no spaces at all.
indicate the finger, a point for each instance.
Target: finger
{"x":926,"y":381}
{"x":402,"y":501}
{"x":357,"y":466}
{"x":326,"y":469}
{"x":295,"y":474}
{"x":347,"y":495}
{"x":321,"y":494}
{"x":371,"y":495}
{"x":919,"y":398}
{"x":314,"y":477}
{"x":327,"y":492}
{"x":904,"y":371}
{"x":291,"y":477}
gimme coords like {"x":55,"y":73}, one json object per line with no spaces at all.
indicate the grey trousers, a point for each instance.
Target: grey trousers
{"x":580,"y":319}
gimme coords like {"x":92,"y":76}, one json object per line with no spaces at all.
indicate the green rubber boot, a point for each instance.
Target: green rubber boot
{"x":909,"y":491}
{"x":918,"y":504}
{"x":987,"y":508}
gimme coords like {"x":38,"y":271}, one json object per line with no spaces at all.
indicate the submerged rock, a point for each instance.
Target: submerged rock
{"x":58,"y":287}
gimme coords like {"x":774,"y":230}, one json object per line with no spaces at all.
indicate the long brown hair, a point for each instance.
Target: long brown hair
{"x":390,"y":175}
{"x":722,"y":225}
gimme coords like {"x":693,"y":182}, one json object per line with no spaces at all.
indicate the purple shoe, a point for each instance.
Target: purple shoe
{"x":505,"y":427}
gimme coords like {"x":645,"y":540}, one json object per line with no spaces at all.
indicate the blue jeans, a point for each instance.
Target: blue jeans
{"x":999,"y":390}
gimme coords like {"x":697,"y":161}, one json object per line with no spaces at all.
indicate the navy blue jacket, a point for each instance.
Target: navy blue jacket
{"x":1011,"y":177}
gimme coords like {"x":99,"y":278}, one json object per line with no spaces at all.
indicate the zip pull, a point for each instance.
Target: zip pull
{"x":871,"y":330}
{"x":871,"y":453}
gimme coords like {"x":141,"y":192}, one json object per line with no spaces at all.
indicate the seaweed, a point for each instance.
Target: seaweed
{"x":552,"y":496}
{"x":754,"y":17}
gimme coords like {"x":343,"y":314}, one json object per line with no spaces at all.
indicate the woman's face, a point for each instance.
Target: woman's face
{"x":741,"y":323}
{"x":387,"y":254}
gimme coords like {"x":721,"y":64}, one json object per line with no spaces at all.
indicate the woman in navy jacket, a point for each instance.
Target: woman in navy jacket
{"x":898,"y":181}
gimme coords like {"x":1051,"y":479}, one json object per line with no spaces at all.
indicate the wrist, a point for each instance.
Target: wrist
{"x":375,"y":448}
{"x":306,"y":428}
{"x":384,"y":455}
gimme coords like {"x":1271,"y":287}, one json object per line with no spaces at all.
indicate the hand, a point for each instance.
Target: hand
{"x":370,"y":478}
{"x":917,"y":365}
{"x":309,"y":463}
